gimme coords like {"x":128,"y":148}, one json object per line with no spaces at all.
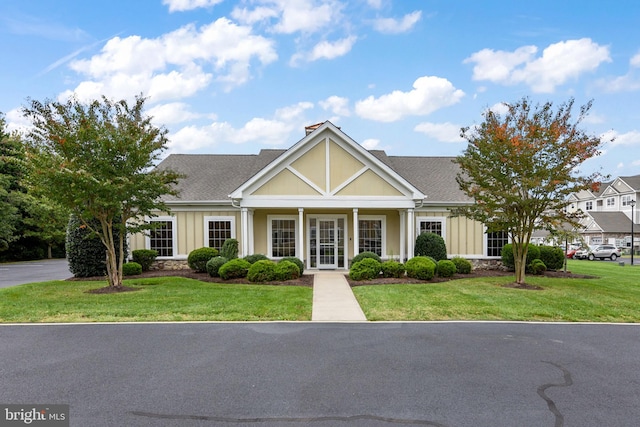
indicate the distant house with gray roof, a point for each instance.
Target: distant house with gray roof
{"x":323,"y":200}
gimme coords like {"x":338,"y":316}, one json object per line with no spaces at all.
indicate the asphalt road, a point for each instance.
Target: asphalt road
{"x":304,"y":374}
{"x":18,"y":273}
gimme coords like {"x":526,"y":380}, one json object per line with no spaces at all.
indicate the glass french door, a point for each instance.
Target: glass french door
{"x":327,"y":243}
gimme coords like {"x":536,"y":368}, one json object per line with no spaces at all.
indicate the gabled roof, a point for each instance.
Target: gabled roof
{"x":632,"y":181}
{"x":611,"y":222}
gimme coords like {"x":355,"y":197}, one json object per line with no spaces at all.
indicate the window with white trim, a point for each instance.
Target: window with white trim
{"x":626,"y":200}
{"x":282,"y":236}
{"x":495,"y":242}
{"x":589,"y":205}
{"x":371,"y":234}
{"x":162,"y":237}
{"x":431,"y":225}
{"x":611,"y":201}
{"x":218,"y":229}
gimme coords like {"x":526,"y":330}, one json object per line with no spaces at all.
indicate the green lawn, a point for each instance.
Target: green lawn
{"x":613,"y":297}
{"x":159,"y":299}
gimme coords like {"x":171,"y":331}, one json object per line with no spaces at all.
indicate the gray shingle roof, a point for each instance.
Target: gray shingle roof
{"x":612,"y":222}
{"x":632,"y":181}
{"x":212,"y":177}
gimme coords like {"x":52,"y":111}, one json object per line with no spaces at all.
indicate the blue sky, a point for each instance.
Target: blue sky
{"x":238,"y":76}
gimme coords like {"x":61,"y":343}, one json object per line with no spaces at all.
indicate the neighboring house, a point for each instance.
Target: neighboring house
{"x":323,"y":200}
{"x":608,"y":212}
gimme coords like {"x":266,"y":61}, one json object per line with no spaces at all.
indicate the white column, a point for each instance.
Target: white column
{"x":403,"y":234}
{"x":244,"y":227}
{"x":410,"y":233}
{"x":251,"y":239}
{"x":300,"y":248}
{"x":356,"y":233}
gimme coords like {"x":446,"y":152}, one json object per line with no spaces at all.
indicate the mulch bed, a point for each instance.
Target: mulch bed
{"x":307,"y":279}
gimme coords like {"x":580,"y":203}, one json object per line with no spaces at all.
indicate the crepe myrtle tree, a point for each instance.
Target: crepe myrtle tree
{"x":97,"y":159}
{"x":521,"y":166}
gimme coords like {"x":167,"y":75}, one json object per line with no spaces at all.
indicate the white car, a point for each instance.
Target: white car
{"x":604,"y":251}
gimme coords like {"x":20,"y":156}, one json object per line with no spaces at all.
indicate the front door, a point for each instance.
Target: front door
{"x":327,"y":243}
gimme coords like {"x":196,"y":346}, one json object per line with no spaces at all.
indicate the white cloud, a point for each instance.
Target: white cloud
{"x":328,"y":50}
{"x":337,"y":105}
{"x":429,"y":94}
{"x":182,"y":5}
{"x":292,"y":16}
{"x":171,"y":113}
{"x":176,"y":64}
{"x":293,"y":112}
{"x":16,"y":121}
{"x":370,"y":144}
{"x":499,"y":108}
{"x":395,"y":26}
{"x":376,"y":4}
{"x":635,"y":60}
{"x":443,"y":132}
{"x":559,"y":63}
{"x":628,"y":138}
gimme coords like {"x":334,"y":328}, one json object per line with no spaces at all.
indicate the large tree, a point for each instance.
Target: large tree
{"x":521,"y":166}
{"x":9,"y":170}
{"x":97,"y":160}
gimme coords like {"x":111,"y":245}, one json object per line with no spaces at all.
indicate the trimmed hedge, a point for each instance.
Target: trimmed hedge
{"x":463,"y":266}
{"x":421,"y":268}
{"x":262,"y":271}
{"x":296,"y":261}
{"x":366,"y":269}
{"x":229,"y":249}
{"x":198,"y":258}
{"x":446,"y":268}
{"x":235,"y":268}
{"x":365,"y":255}
{"x":287,"y":270}
{"x":533,"y":252}
{"x":552,"y":257}
{"x":131,"y":269}
{"x":214,"y":264}
{"x":144,"y":257}
{"x":431,"y":244}
{"x":537,"y":267}
{"x":392,"y":268}
{"x":255,"y":257}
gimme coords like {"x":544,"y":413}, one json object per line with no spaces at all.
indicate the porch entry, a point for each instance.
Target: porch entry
{"x":326,"y":242}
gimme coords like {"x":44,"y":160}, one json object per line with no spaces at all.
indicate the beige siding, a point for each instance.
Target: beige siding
{"x":343,"y":165}
{"x":369,"y":184}
{"x":313,"y":165}
{"x":285,"y":184}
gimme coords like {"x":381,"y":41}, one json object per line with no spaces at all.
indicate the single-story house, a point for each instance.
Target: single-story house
{"x":323,"y":200}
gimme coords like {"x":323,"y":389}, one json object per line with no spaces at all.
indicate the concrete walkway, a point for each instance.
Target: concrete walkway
{"x":333,"y":299}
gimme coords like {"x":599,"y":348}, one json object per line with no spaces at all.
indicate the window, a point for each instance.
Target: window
{"x":282,"y":237}
{"x":611,"y":201}
{"x":495,"y":242}
{"x":626,"y":200}
{"x":589,"y":206}
{"x":162,"y":238}
{"x":371,"y":234}
{"x":218,"y":229}
{"x":431,"y":225}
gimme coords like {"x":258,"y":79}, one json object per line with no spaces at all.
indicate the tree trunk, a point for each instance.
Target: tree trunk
{"x":520,"y":261}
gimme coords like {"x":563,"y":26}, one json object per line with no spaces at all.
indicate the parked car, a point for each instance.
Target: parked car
{"x":571,"y":252}
{"x":582,"y":253}
{"x":604,"y":251}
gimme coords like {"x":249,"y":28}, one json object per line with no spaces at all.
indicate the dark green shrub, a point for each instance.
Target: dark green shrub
{"x":533,"y":252}
{"x":131,"y":269}
{"x":262,"y":271}
{"x":537,"y":267}
{"x":255,"y":257}
{"x":364,"y":255}
{"x":430,"y":244}
{"x":229,"y":249}
{"x":214,"y":264}
{"x":144,"y":257}
{"x":446,"y":268}
{"x":287,"y":270}
{"x":86,"y":254}
{"x":552,"y":257}
{"x":463,"y":266}
{"x":198,"y":258}
{"x":392,"y":268}
{"x":421,"y":268}
{"x":366,"y":269}
{"x":296,"y":261}
{"x":234,"y":269}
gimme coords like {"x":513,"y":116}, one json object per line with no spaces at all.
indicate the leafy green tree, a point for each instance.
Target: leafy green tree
{"x":97,"y":160}
{"x":521,"y":167}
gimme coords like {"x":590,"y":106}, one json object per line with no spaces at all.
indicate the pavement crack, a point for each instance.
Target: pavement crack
{"x":287,"y":419}
{"x":568,"y":381}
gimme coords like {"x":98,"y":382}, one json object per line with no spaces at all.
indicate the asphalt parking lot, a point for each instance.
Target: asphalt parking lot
{"x":18,"y":273}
